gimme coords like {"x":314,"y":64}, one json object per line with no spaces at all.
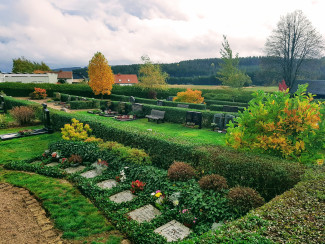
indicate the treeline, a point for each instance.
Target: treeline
{"x":204,"y":71}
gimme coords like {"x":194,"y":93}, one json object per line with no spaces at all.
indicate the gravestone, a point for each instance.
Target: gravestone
{"x":69,"y":99}
{"x":3,"y":108}
{"x":107,"y":184}
{"x":124,"y":196}
{"x":47,"y":119}
{"x":52,"y":164}
{"x":132,"y":99}
{"x":173,"y":231}
{"x":228,"y":118}
{"x":160,"y":103}
{"x":91,"y":174}
{"x":218,"y":121}
{"x":137,"y":107}
{"x":182,"y":105}
{"x":73,"y":170}
{"x":194,"y":117}
{"x":145,"y":213}
{"x":121,"y":108}
{"x":170,"y":98}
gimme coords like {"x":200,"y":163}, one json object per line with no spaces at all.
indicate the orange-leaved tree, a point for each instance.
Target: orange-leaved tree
{"x":101,"y":77}
{"x":189,"y":96}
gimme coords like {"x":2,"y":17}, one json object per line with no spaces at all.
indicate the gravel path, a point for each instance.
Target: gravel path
{"x":22,"y":219}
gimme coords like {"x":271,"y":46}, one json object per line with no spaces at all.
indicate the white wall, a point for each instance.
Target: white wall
{"x":30,"y":78}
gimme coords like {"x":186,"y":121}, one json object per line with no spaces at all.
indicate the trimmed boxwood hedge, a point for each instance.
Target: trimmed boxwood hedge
{"x":296,"y":216}
{"x":269,"y":176}
{"x":220,"y":108}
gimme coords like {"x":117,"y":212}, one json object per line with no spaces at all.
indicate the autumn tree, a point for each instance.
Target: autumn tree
{"x":101,"y":77}
{"x":151,"y":76}
{"x":189,"y":96}
{"x":23,"y":65}
{"x":229,"y":73}
{"x":293,"y":42}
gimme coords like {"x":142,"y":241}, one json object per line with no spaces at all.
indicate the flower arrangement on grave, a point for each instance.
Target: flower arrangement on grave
{"x":174,"y":198}
{"x":137,"y":186}
{"x":55,"y":156}
{"x":122,"y":176}
{"x":160,"y":198}
{"x":25,"y":132}
{"x":101,"y":165}
{"x":187,"y":217}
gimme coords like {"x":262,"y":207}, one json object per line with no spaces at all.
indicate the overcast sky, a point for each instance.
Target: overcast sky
{"x":66,"y":33}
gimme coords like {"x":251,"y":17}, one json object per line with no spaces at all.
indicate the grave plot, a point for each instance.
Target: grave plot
{"x":145,"y":213}
{"x":72,"y":170}
{"x":91,"y":174}
{"x":124,"y":196}
{"x":173,"y":231}
{"x":107,"y":184}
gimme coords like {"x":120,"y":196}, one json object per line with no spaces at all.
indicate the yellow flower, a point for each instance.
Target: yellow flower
{"x":320,"y":162}
{"x":158,"y":194}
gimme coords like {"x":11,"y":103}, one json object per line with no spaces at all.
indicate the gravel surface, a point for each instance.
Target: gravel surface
{"x":22,"y":219}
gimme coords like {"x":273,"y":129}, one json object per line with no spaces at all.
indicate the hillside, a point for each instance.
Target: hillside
{"x":203,"y":71}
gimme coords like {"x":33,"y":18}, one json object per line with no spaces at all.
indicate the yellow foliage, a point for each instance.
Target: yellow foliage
{"x":189,"y":96}
{"x":101,"y":77}
{"x":76,"y":131}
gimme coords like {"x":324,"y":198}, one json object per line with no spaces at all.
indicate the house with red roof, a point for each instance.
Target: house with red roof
{"x":126,"y":80}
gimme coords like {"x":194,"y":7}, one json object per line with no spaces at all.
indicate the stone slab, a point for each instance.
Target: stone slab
{"x":52,"y":164}
{"x":124,"y":196}
{"x":145,"y":213}
{"x":73,"y":170}
{"x":90,"y":174}
{"x":107,"y":184}
{"x":173,"y":231}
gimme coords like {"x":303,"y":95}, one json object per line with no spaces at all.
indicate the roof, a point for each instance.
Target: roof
{"x":316,"y":87}
{"x":65,"y":75}
{"x":126,"y":79}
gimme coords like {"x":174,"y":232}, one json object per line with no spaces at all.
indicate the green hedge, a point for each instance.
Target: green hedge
{"x":297,"y":216}
{"x":81,"y":105}
{"x":269,"y":176}
{"x":191,"y":105}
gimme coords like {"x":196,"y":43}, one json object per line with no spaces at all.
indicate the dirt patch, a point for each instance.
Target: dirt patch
{"x":22,"y":219}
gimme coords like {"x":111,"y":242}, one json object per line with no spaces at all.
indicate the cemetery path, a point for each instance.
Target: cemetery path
{"x":49,"y":105}
{"x":22,"y":219}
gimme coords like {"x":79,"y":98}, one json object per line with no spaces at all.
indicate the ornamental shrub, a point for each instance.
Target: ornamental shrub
{"x":75,"y":159}
{"x":213,"y":182}
{"x":38,"y":93}
{"x":75,"y":131}
{"x":189,"y":96}
{"x":23,"y":114}
{"x":244,"y":199}
{"x":275,"y":123}
{"x":180,"y":171}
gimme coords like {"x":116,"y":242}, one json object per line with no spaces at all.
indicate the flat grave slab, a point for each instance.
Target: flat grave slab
{"x":52,"y":164}
{"x":73,"y":170}
{"x":173,"y":231}
{"x":145,"y":213}
{"x":124,"y":196}
{"x":90,"y":174}
{"x":107,"y":184}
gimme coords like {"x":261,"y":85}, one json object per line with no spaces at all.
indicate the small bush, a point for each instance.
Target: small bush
{"x":189,"y":96}
{"x":75,"y":159}
{"x":76,"y":131}
{"x":244,"y":199}
{"x":180,"y":171}
{"x":38,"y":93}
{"x":3,"y":121}
{"x":213,"y":182}
{"x":23,"y":114}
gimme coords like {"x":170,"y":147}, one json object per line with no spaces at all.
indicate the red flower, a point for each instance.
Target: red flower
{"x":137,"y":186}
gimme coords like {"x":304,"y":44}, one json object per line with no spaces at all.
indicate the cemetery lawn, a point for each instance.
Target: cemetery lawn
{"x":71,"y":212}
{"x":170,"y":131}
{"x":25,"y":147}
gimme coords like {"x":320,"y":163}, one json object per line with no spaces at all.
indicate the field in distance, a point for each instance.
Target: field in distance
{"x":250,"y":88}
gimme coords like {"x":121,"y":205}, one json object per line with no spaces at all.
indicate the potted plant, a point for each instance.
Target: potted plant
{"x":75,"y":160}
{"x":137,"y":186}
{"x":187,"y":218}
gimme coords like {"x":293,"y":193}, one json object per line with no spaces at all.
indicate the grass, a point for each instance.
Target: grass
{"x":72,"y":213}
{"x":25,"y":147}
{"x":170,"y":131}
{"x":251,"y":88}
